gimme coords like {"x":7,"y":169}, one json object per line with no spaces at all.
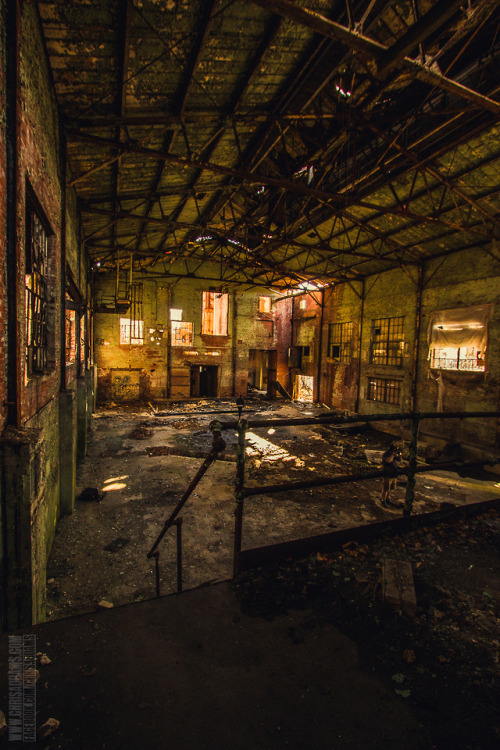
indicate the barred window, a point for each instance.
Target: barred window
{"x":340,"y":342}
{"x":461,"y":358}
{"x":36,"y":281}
{"x":182,"y":333}
{"x":131,"y":331}
{"x":385,"y":390}
{"x":387,"y":341}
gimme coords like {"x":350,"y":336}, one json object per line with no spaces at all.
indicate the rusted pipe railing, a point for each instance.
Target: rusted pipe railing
{"x":415,"y":417}
{"x":218,"y":445}
{"x":340,"y":419}
{"x":362,"y":476}
{"x":239,"y":492}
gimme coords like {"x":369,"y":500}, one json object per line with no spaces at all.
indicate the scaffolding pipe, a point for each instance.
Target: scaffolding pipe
{"x":239,"y":493}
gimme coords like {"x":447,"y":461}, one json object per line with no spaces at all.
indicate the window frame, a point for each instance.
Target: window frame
{"x":208,"y":313}
{"x":384,"y":384}
{"x":343,"y":339}
{"x":391,"y":337}
{"x":127,"y":339}
{"x":36,"y":287}
{"x":179,"y":325}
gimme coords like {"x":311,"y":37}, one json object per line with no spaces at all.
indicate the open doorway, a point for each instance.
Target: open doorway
{"x":258,"y":368}
{"x":204,"y":380}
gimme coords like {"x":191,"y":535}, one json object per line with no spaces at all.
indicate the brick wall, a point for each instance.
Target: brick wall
{"x":38,"y":162}
{"x":141,"y":371}
{"x":466,"y":278}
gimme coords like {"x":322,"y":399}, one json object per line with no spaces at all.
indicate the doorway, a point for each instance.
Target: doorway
{"x":204,"y":380}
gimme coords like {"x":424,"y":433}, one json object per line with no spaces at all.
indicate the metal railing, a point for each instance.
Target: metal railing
{"x":218,"y":446}
{"x":241,"y":492}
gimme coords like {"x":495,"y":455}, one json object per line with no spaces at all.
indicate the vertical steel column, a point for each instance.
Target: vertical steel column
{"x":239,"y":496}
{"x":412,"y":465}
{"x":157,"y":572}
{"x":320,"y":348}
{"x":361,"y":316}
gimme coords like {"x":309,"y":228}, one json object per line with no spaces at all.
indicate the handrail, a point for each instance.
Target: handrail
{"x":350,"y":419}
{"x":218,"y":445}
{"x":415,"y":417}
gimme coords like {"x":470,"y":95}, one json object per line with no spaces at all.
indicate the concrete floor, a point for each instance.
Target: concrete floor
{"x":143,"y":462}
{"x":192,"y":672}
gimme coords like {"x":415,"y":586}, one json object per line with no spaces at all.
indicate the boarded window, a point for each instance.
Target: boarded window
{"x":340,"y":342}
{"x":385,"y":390}
{"x":214,"y":313}
{"x":265,"y":304}
{"x":182,"y":333}
{"x":36,"y":293}
{"x":458,"y":338}
{"x":387,"y":344}
{"x":131,"y":331}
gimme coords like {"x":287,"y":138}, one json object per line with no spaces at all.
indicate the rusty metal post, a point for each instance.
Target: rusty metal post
{"x":178,"y":523}
{"x":239,"y":494}
{"x":412,"y":465}
{"x":157,"y":572}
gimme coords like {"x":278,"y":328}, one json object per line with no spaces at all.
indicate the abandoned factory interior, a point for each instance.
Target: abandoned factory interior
{"x":250,"y":373}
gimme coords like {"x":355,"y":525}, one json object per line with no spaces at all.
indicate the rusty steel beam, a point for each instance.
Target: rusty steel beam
{"x":374,"y":50}
{"x":418,"y":32}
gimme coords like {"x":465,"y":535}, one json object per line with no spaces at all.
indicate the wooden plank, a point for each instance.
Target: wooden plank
{"x":397,"y":585}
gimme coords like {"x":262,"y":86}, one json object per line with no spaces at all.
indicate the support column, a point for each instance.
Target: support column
{"x":22,"y":483}
{"x":81,"y":417}
{"x":67,"y":451}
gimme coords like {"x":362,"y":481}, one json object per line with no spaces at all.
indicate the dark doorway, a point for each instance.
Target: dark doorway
{"x":204,"y":380}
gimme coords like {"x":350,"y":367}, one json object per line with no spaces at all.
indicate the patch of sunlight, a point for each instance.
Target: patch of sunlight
{"x":116,"y":479}
{"x":114,"y":486}
{"x":268,"y":451}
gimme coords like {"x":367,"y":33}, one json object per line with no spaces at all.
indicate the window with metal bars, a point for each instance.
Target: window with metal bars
{"x":385,"y":390}
{"x":131,"y":331}
{"x":340,"y":342}
{"x":182,"y":333}
{"x":387,"y":341}
{"x":36,"y":292}
{"x":132,"y":328}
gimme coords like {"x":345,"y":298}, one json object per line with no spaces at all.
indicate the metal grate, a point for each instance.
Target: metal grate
{"x":387,"y":341}
{"x":36,"y":295}
{"x":340,"y":342}
{"x":385,"y":390}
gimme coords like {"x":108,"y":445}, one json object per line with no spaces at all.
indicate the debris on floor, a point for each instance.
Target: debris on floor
{"x":139,"y":482}
{"x":446,"y":656}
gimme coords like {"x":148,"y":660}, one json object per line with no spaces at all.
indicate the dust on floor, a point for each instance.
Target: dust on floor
{"x":141,"y":461}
